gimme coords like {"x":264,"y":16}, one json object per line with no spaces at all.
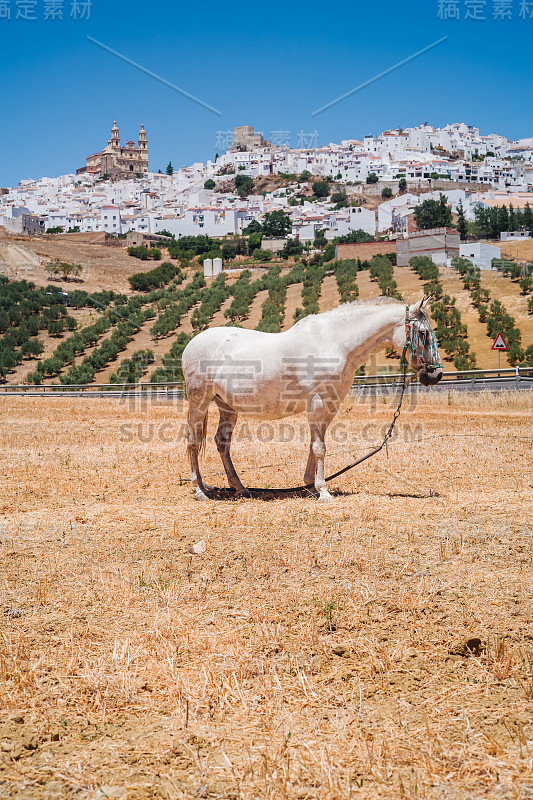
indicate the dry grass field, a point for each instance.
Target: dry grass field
{"x":516,"y":250}
{"x":306,"y":650}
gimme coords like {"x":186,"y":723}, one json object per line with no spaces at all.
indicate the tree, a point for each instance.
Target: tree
{"x":433,"y":214}
{"x":329,"y":253}
{"x":462,"y":227}
{"x":229,"y":251}
{"x":170,"y":168}
{"x":275,"y":223}
{"x":353,"y":237}
{"x":292,"y":247}
{"x":244,"y":185}
{"x":527,"y":218}
{"x":209,"y":184}
{"x":503,"y":218}
{"x":340,"y":199}
{"x":386,"y":193}
{"x":320,"y":239}
{"x":66,"y":270}
{"x":262,"y":255}
{"x":512,"y":218}
{"x":402,"y":186}
{"x":254,"y":241}
{"x":372,"y":178}
{"x":305,"y":175}
{"x":320,"y":189}
{"x":253,"y":227}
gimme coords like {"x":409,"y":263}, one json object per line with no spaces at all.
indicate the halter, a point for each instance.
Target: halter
{"x":416,"y":338}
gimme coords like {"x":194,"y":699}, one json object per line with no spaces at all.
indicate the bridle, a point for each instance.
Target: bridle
{"x":416,"y":339}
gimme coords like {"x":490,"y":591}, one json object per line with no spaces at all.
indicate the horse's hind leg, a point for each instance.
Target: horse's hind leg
{"x":228,"y":418}
{"x":197,"y":423}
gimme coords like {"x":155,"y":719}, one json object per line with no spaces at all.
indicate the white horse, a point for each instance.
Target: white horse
{"x":308,"y":368}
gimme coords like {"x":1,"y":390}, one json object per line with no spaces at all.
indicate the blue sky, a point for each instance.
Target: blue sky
{"x":269,"y":65}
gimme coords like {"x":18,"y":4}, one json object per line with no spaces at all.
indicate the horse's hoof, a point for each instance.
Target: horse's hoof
{"x":243,"y":494}
{"x":199,"y":495}
{"x":325,"y":498}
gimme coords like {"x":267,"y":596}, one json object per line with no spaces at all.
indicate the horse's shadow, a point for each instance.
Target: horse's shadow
{"x":266,"y":495}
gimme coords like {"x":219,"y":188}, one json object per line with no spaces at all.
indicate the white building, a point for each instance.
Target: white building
{"x":110,"y":219}
{"x":480,"y":254}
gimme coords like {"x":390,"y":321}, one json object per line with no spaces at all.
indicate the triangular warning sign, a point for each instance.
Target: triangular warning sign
{"x":499,"y":343}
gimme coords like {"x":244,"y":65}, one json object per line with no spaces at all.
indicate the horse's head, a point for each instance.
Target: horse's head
{"x":414,"y":338}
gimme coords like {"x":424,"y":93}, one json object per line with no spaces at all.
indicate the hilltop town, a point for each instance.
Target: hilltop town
{"x":372,"y":185}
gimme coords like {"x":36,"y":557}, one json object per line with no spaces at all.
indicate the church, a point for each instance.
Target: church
{"x":119,"y":162}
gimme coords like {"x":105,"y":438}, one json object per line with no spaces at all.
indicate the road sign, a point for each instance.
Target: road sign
{"x":499,"y":343}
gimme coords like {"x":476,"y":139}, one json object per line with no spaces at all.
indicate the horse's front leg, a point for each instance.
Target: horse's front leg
{"x":319,"y":418}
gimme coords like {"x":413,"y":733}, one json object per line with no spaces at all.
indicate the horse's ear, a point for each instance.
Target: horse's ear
{"x":419,"y":305}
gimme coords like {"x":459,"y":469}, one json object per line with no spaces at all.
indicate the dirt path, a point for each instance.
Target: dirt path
{"x":329,"y":294}
{"x":367,"y":288}
{"x":294,"y":300}
{"x":218,"y":317}
{"x":254,"y":318}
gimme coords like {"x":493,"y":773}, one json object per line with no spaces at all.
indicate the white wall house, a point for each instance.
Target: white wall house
{"x":57,"y":219}
{"x":480,"y":254}
{"x":387,"y":211}
{"x":514,"y":236}
{"x":135,"y":222}
{"x":110,"y":219}
{"x":197,"y":221}
{"x":351,"y":219}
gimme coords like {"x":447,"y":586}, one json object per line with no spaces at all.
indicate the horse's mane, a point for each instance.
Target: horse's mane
{"x":362,"y":305}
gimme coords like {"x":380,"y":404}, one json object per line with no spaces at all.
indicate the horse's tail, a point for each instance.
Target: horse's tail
{"x":201,"y":448}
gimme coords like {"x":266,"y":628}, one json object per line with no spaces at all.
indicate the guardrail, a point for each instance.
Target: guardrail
{"x":476,"y":379}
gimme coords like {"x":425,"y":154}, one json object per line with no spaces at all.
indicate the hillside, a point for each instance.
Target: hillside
{"x":105,"y":266}
{"x":108,"y":267}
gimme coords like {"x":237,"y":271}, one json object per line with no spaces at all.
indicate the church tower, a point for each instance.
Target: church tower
{"x":143,"y":141}
{"x":115,"y":136}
